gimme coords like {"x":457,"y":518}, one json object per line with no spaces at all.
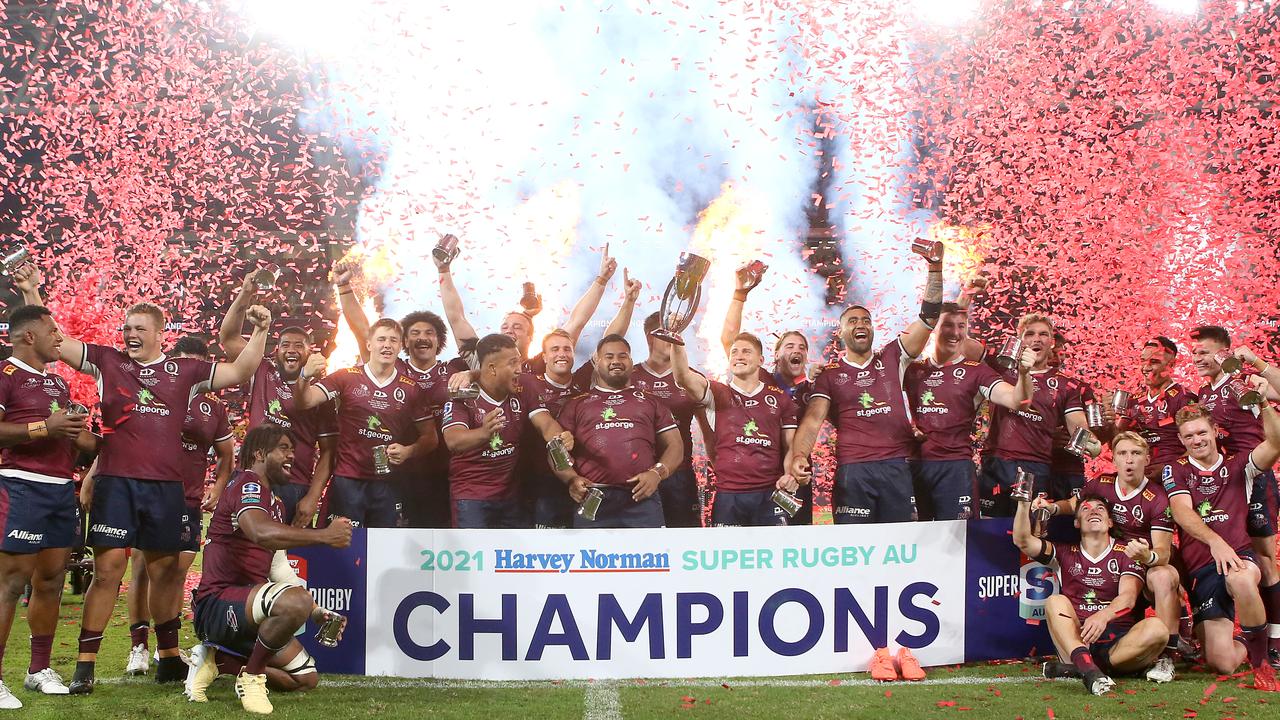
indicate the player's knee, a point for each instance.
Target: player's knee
{"x":307,"y":682}
{"x":294,"y":605}
{"x":1243,"y":582}
{"x":1162,"y":580}
{"x":1056,"y":603}
{"x":1154,"y":633}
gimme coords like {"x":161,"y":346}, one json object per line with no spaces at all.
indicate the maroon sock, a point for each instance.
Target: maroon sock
{"x":228,"y":664}
{"x":1271,"y":601}
{"x":1,"y":658}
{"x":167,"y":634}
{"x":90,"y":641}
{"x":41,"y":648}
{"x":1255,"y":643}
{"x":257,"y":664}
{"x":138,"y":633}
{"x":1083,"y":660}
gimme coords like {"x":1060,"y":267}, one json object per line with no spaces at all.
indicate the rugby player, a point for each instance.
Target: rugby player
{"x":626,"y":443}
{"x":246,"y":611}
{"x":1153,"y":409}
{"x":40,"y":438}
{"x":1091,"y":618}
{"x":314,"y":431}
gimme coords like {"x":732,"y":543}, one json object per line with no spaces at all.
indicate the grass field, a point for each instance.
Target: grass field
{"x":988,"y":691}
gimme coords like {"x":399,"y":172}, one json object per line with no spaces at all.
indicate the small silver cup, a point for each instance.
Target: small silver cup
{"x":381,"y":461}
{"x":591,"y":504}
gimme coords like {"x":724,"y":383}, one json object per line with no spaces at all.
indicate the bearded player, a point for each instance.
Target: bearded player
{"x":138,"y":496}
{"x":1239,"y":431}
{"x":1143,"y":524}
{"x":754,"y":423}
{"x":314,"y":431}
{"x":625,"y":444}
{"x":1092,"y":619}
{"x":40,"y":437}
{"x":945,"y":390}
{"x":384,"y":420}
{"x":1209,"y":494}
{"x":244,"y":614}
{"x":863,"y":391}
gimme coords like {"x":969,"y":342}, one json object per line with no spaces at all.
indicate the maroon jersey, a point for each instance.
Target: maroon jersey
{"x":945,"y":401}
{"x":371,"y":414}
{"x":28,"y":395}
{"x":1136,"y":514}
{"x":1220,"y":494}
{"x":271,"y":401}
{"x":143,"y":409}
{"x":1239,"y":430}
{"x":868,"y":407}
{"x":230,"y":558}
{"x":434,"y":384}
{"x":533,"y":450}
{"x":663,"y":388}
{"x":1027,"y":434}
{"x":1092,"y":583}
{"x":488,"y":472}
{"x":615,"y":432}
{"x":1153,"y":417}
{"x":749,"y":430}
{"x":205,"y":424}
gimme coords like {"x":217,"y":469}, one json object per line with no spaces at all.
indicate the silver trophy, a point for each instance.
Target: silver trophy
{"x":10,"y":263}
{"x":591,"y":504}
{"x":930,"y":250}
{"x":750,"y":275}
{"x":680,"y":301}
{"x":1093,"y":415}
{"x":265,"y":278}
{"x":561,"y":460}
{"x":381,"y":461}
{"x":1230,"y":363}
{"x":466,"y":392}
{"x":1040,"y":519}
{"x":1084,"y":443}
{"x":446,"y":250}
{"x":1010,"y":353}
{"x":1246,"y":397}
{"x":789,"y":503}
{"x":1023,"y":483}
{"x":330,"y":629}
{"x":1120,"y":402}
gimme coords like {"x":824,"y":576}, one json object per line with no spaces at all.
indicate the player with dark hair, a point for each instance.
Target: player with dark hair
{"x":753,"y":422}
{"x":384,"y":420}
{"x":423,"y":481}
{"x":945,"y":390}
{"x":39,"y":516}
{"x":206,"y":427}
{"x":138,"y":498}
{"x":484,"y":437}
{"x":1209,"y":495}
{"x":681,"y":502}
{"x":1151,"y":412}
{"x":626,"y":443}
{"x":247,"y":607}
{"x":1023,"y":438}
{"x":314,"y":431}
{"x":863,"y":391}
{"x":518,"y":325}
{"x":1143,"y":524}
{"x":1091,"y":618}
{"x":1240,"y":430}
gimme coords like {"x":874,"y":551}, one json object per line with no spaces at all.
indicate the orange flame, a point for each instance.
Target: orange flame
{"x":346,"y":348}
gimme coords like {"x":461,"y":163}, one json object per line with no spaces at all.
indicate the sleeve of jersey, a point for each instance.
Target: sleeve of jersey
{"x":530,"y":399}
{"x":332,"y":385}
{"x":1162,"y":515}
{"x":895,"y":354}
{"x":455,"y":415}
{"x":790,"y":413}
{"x":421,"y":405}
{"x":202,"y":376}
{"x":1247,"y":467}
{"x":326,"y":420}
{"x":93,"y":360}
{"x":988,"y":379}
{"x":222,"y":427}
{"x":822,"y":386}
{"x":716,"y":395}
{"x":1131,"y":567}
{"x":663,"y":419}
{"x":1070,"y":398}
{"x":1173,"y":485}
{"x":6,"y":381}
{"x":249,"y":496}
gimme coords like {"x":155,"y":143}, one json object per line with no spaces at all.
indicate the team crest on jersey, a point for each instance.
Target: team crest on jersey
{"x":204,"y":408}
{"x":1052,"y":383}
{"x":1113,"y":566}
{"x":171,"y":367}
{"x":1137,"y":513}
{"x":399,"y":395}
{"x":958,"y":373}
{"x":771,"y":401}
{"x":515,"y":405}
{"x":251,"y":488}
{"x":879,"y":366}
{"x":1076,"y":569}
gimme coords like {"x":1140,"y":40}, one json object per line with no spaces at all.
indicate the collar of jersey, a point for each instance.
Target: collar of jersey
{"x":611,"y":390}
{"x":1092,"y":559}
{"x":1196,"y":465}
{"x":394,"y":372}
{"x":1218,"y":385}
{"x":1161,"y":391}
{"x":1141,"y":486}
{"x":26,"y":367}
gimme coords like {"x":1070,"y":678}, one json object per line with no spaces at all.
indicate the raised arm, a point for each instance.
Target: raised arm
{"x":743,"y":284}
{"x":590,"y":300}
{"x":1029,"y":544}
{"x":1016,"y":397}
{"x":463,"y":332}
{"x":233,"y":343}
{"x":971,"y":349}
{"x":305,"y":393}
{"x":1265,"y":370}
{"x":352,"y":312}
{"x":916,"y":335}
{"x":1265,"y":455}
{"x":694,"y":384}
{"x":247,"y":362}
{"x":630,"y":295}
{"x":28,"y":280}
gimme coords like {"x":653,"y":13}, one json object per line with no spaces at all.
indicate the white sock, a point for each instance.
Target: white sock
{"x":1273,"y":630}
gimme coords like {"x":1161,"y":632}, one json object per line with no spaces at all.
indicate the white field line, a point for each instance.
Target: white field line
{"x":601,"y":702}
{"x":349,"y":681}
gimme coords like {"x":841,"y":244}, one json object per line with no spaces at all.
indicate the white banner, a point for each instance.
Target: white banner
{"x":512,"y":604}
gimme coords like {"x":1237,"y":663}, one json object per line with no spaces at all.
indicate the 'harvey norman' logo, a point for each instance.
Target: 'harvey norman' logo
{"x":510,"y":561}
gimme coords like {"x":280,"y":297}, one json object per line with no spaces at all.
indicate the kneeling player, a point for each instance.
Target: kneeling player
{"x":245,"y":617}
{"x":1091,"y":617}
